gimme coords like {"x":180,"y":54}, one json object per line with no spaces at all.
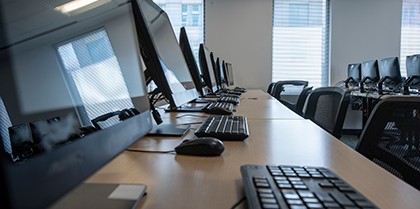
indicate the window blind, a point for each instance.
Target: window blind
{"x":301,"y":41}
{"x":410,"y":31}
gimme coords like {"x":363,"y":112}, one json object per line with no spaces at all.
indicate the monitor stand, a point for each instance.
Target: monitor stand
{"x":169,"y":130}
{"x":90,"y":195}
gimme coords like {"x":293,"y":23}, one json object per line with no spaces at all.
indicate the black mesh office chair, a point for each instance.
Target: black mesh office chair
{"x":270,"y":88}
{"x":327,"y":107}
{"x":300,"y":103}
{"x":288,"y":91}
{"x":391,"y":136}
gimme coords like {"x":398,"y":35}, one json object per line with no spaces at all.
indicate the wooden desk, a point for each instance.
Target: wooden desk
{"x":176,"y":181}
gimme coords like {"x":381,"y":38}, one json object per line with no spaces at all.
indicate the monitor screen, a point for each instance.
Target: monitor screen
{"x":60,"y":73}
{"x":207,"y":68}
{"x":354,"y":73}
{"x":370,"y":72}
{"x":413,"y":70}
{"x":191,"y":62}
{"x":229,"y":71}
{"x":161,"y":52}
{"x":390,"y":71}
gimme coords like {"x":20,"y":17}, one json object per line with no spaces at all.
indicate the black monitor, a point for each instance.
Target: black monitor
{"x":219,"y":73}
{"x":216,"y":66}
{"x":354,"y":72}
{"x":370,"y":75}
{"x":390,"y":71}
{"x":161,"y":53}
{"x":207,"y":66}
{"x":229,"y":71}
{"x":191,"y":62}
{"x":413,"y":71}
{"x":35,"y":85}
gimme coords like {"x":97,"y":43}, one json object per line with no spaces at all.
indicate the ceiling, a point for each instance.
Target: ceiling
{"x":26,"y":19}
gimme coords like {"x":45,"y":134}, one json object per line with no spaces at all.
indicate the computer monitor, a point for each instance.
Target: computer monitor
{"x":219,"y":73}
{"x":38,"y":83}
{"x":354,"y":72}
{"x":413,"y":71}
{"x":229,"y":71}
{"x":390,"y":71}
{"x":216,"y":69}
{"x":161,"y":53}
{"x":370,"y":75}
{"x":207,"y":68}
{"x":191,"y":62}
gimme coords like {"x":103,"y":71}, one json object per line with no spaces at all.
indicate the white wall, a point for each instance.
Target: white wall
{"x":363,"y":30}
{"x":239,"y":31}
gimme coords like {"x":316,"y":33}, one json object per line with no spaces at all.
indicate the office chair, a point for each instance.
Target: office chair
{"x":327,"y":107}
{"x":288,"y":91}
{"x":394,"y":118}
{"x":270,"y":88}
{"x":300,"y":103}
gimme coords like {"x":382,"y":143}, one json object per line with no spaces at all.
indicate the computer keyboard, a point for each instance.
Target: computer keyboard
{"x":271,"y":186}
{"x":229,"y":99}
{"x":229,"y":128}
{"x":210,"y":105}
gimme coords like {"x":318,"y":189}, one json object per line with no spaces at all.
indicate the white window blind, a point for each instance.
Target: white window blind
{"x":301,"y":41}
{"x":410,"y":32}
{"x":94,"y":76}
{"x":188,"y":14}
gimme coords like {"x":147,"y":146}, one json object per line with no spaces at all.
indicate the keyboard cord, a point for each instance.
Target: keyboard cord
{"x":238,"y":203}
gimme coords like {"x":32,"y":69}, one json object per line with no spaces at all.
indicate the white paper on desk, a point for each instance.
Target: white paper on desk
{"x":128,"y":192}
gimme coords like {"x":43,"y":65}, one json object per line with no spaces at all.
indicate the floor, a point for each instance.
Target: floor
{"x":350,"y":140}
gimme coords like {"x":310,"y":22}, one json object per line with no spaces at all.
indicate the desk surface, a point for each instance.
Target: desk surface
{"x":176,"y":181}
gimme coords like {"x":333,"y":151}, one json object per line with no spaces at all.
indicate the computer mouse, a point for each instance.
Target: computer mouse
{"x":201,"y":146}
{"x":220,"y":111}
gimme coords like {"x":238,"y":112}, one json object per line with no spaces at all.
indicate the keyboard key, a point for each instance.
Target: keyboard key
{"x":270,"y":206}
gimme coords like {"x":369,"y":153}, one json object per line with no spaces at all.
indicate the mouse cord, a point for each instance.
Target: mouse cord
{"x":148,"y":151}
{"x":239,"y":202}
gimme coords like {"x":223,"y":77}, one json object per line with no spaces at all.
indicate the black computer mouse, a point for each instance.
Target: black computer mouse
{"x":220,"y":111}
{"x":201,"y":146}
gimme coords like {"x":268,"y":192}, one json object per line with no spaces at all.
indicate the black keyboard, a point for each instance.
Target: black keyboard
{"x":229,"y":99}
{"x":270,"y":186}
{"x":229,"y":128}
{"x":210,"y":105}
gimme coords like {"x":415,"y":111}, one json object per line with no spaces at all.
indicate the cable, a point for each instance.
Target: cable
{"x":136,"y":150}
{"x":192,"y":115}
{"x":238,"y":203}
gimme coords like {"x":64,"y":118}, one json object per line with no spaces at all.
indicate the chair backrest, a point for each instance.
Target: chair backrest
{"x":293,"y":87}
{"x":391,"y":137}
{"x":270,"y":88}
{"x":300,"y":103}
{"x":327,"y":107}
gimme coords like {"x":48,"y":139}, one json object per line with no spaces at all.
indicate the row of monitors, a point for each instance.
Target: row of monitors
{"x":30,"y":93}
{"x":387,"y":72}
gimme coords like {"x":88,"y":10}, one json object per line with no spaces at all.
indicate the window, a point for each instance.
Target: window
{"x":84,"y":60}
{"x":410,"y":31}
{"x":301,"y":41}
{"x":188,"y":14}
